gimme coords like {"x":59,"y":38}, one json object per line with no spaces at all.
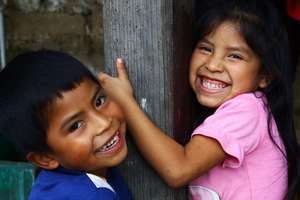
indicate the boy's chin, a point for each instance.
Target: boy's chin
{"x":118,"y":159}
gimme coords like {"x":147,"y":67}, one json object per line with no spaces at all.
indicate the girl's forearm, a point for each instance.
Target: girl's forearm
{"x":176,"y":164}
{"x":163,"y":153}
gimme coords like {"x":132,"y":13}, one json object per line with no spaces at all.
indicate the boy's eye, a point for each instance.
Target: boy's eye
{"x":100,"y":100}
{"x":75,"y":126}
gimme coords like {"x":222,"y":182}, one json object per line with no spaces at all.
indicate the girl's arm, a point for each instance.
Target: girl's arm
{"x":175,"y":163}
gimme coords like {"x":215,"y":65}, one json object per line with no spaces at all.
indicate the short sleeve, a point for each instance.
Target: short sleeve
{"x":237,"y":126}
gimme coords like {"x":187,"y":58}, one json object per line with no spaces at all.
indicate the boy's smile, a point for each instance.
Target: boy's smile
{"x":110,"y":145}
{"x":223,"y":66}
{"x":86,"y":130}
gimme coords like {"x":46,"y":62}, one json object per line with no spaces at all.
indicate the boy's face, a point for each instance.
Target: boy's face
{"x":87,"y":130}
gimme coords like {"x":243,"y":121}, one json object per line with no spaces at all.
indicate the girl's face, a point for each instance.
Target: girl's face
{"x":86,"y":130}
{"x":223,"y":66}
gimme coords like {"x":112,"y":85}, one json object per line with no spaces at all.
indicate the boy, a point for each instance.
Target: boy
{"x":54,"y":109}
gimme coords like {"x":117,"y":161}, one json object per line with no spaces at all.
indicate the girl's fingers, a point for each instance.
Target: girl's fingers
{"x":121,"y":70}
{"x":122,"y":73}
{"x":102,"y":76}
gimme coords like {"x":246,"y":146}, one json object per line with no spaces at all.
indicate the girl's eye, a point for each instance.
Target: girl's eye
{"x":100,"y":101}
{"x":205,"y":49}
{"x":75,"y":126}
{"x":235,"y":56}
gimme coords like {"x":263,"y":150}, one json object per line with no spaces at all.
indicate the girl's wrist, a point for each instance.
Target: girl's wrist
{"x":124,"y":101}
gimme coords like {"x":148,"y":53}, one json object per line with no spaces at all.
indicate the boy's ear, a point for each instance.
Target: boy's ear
{"x":43,"y":160}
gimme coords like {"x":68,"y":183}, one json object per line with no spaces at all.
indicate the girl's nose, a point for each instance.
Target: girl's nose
{"x":214,"y":64}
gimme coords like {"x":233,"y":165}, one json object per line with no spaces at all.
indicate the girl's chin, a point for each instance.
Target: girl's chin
{"x":209,"y":102}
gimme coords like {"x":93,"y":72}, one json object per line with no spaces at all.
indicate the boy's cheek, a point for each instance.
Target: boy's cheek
{"x":114,"y":110}
{"x":123,"y":127}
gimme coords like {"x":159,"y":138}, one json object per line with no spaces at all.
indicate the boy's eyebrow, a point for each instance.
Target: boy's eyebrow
{"x":96,"y":94}
{"x":69,"y":119}
{"x":74,"y":116}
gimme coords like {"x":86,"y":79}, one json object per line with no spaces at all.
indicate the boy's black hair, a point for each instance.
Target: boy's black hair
{"x":262,"y":26}
{"x":29,"y":84}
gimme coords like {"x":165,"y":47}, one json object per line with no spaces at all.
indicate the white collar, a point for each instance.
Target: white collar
{"x":99,"y":182}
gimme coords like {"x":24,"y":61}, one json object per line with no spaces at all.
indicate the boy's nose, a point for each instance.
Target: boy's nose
{"x":101,"y":123}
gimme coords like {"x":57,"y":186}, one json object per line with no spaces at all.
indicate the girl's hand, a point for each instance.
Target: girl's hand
{"x":177,"y":164}
{"x":118,"y":88}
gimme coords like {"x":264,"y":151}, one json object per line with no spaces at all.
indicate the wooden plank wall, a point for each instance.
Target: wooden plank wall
{"x":147,"y":34}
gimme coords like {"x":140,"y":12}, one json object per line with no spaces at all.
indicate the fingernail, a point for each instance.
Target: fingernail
{"x":120,"y":60}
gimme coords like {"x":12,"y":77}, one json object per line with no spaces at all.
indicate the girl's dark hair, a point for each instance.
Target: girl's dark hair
{"x":263,"y":29}
{"x":29,"y":84}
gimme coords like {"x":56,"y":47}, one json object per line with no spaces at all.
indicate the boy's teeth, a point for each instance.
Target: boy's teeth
{"x":110,"y":144}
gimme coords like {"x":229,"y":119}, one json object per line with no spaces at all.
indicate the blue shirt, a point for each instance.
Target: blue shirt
{"x":65,"y":184}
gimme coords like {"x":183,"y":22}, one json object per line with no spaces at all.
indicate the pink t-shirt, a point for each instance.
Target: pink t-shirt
{"x":255,"y":168}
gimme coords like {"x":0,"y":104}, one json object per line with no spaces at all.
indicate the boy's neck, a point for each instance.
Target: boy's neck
{"x":101,"y":173}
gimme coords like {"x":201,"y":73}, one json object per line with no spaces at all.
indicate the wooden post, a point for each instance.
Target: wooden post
{"x":146,"y":34}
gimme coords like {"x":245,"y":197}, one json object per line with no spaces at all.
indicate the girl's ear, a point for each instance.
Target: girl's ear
{"x":263,"y":83}
{"x":43,"y":160}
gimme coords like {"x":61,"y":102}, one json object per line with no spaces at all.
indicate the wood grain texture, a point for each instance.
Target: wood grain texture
{"x":142,"y":32}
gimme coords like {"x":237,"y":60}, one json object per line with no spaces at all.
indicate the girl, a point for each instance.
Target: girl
{"x":247,"y":148}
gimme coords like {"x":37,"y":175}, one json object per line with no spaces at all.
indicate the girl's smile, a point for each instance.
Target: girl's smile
{"x":223,"y":66}
{"x":210,"y":85}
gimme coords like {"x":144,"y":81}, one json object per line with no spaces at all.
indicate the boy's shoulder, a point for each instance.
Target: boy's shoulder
{"x":115,"y":179}
{"x":68,"y":184}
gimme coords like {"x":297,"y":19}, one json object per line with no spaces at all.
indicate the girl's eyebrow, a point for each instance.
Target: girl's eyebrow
{"x":238,"y":48}
{"x":204,"y":40}
{"x":230,"y":48}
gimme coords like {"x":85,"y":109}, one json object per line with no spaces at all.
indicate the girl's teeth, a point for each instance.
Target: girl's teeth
{"x":110,"y":144}
{"x":211,"y":85}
